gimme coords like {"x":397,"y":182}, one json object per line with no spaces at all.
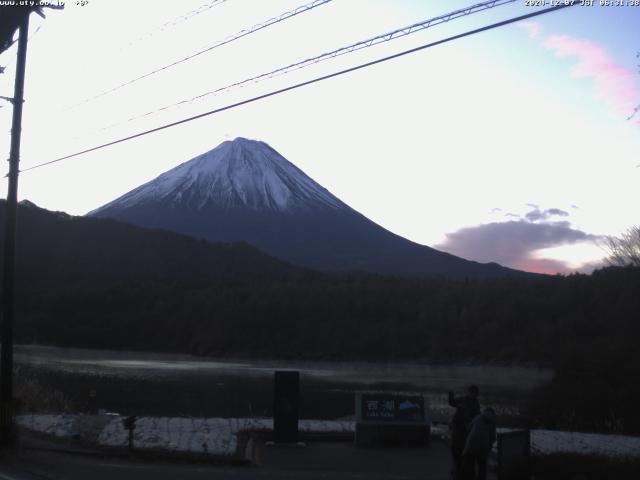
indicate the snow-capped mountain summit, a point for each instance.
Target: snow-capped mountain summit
{"x":237,"y":173}
{"x":243,"y":190}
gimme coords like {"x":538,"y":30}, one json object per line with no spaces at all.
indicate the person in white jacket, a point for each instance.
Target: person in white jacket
{"x":480,"y":440}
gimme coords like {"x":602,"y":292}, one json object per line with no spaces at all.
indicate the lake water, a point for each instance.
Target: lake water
{"x":169,"y":384}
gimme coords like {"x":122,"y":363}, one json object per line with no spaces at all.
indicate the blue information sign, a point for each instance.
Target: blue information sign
{"x":392,"y":408}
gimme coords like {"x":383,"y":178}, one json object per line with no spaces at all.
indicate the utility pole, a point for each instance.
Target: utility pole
{"x":8,"y":274}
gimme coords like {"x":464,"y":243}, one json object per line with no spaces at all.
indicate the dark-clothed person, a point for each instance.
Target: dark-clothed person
{"x":467,"y":407}
{"x":482,"y":435}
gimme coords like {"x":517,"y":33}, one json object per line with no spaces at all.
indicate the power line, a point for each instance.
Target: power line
{"x":385,"y":37}
{"x":192,"y":13}
{"x":178,"y":20}
{"x":220,"y":43}
{"x":308,"y":82}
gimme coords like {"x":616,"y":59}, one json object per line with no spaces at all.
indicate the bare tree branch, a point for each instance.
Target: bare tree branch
{"x":625,"y":249}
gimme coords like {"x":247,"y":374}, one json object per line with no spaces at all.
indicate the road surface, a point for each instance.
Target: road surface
{"x":319,"y":460}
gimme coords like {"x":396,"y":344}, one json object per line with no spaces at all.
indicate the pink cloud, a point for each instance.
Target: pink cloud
{"x":614,"y":85}
{"x":551,"y":267}
{"x":542,"y":265}
{"x":533,"y":29}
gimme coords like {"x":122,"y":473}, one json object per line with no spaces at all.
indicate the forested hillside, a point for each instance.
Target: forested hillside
{"x":347,"y":316}
{"x":86,"y":283}
{"x":56,"y":250}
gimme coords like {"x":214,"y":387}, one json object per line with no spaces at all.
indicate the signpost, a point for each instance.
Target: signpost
{"x":286,"y":407}
{"x":92,"y":404}
{"x":129,"y":423}
{"x":392,"y":418}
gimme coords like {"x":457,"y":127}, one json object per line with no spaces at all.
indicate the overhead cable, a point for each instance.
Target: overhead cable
{"x":384,"y":37}
{"x":220,"y":43}
{"x":305,"y":83}
{"x":178,"y":20}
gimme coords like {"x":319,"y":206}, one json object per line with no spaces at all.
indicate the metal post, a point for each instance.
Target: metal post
{"x":130,"y":440}
{"x":8,"y":276}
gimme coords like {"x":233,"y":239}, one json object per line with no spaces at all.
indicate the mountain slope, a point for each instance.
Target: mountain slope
{"x":55,"y":249}
{"x":239,"y":174}
{"x":246,"y":191}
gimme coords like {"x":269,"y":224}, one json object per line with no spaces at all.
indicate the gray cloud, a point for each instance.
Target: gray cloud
{"x":512,"y":243}
{"x":536,"y":214}
{"x":560,"y":223}
{"x":556,"y":211}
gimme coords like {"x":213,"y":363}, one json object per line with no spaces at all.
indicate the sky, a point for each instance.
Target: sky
{"x":513,"y":145}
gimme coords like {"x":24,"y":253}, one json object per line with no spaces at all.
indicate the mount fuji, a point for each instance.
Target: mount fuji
{"x":243,"y":190}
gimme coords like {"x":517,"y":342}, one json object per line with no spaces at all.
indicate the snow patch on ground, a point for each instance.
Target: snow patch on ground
{"x":216,"y":436}
{"x":219,"y":436}
{"x":545,"y":442}
{"x":57,"y":425}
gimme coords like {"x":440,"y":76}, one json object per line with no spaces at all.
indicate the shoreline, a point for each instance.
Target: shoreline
{"x":231,"y":359}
